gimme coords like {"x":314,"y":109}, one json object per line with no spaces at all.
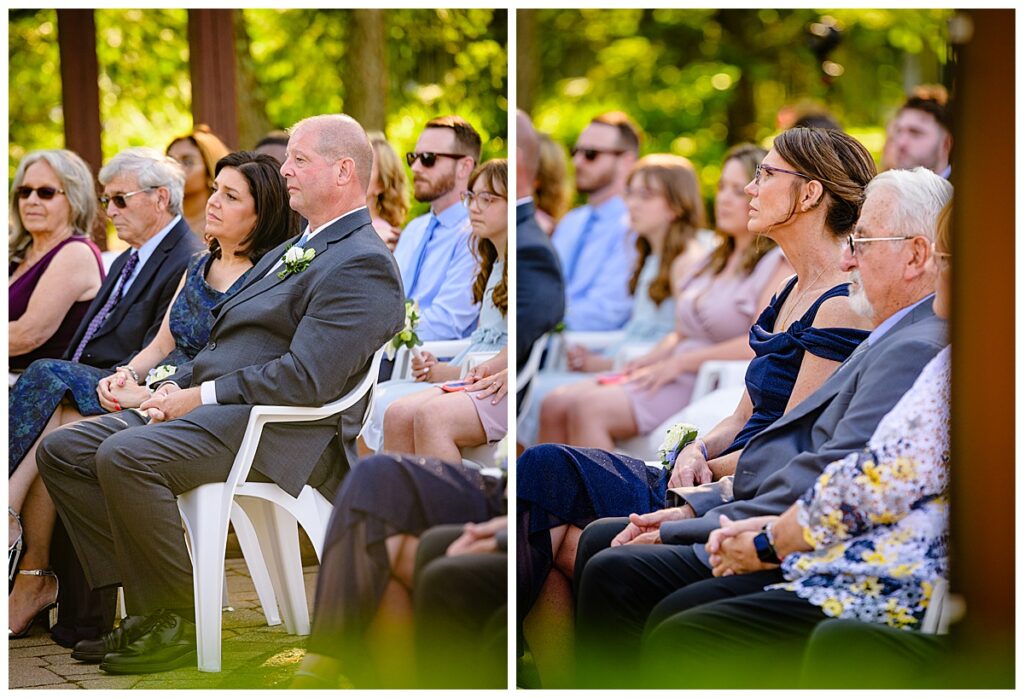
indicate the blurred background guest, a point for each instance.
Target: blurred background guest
{"x":274,"y":144}
{"x":54,"y":270}
{"x":388,"y":194}
{"x":198,"y":152}
{"x":552,"y":195}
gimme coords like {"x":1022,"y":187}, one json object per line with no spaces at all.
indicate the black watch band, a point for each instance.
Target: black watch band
{"x":764,"y":548}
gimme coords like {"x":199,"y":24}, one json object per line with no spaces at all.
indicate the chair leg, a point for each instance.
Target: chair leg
{"x":201,"y":511}
{"x":278,"y":534}
{"x":250,"y":546}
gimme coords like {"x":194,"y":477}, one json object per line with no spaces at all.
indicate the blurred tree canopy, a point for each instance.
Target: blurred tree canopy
{"x":291,"y":64}
{"x":698,"y":81}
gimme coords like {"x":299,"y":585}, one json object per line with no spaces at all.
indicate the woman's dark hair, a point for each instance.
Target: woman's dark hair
{"x":839,"y":162}
{"x":748,"y":156}
{"x":495,"y":176}
{"x":275,"y":219}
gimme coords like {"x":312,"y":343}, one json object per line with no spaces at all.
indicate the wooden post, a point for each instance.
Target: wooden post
{"x":211,"y":41}
{"x":366,"y":89}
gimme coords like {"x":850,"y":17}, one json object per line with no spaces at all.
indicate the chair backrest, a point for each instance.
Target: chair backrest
{"x":532,"y":365}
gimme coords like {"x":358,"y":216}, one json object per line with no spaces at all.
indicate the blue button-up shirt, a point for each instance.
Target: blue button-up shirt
{"x":601,"y":265}
{"x":444,"y":288}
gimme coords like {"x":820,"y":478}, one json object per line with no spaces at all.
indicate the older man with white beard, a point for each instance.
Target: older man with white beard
{"x":626,"y":567}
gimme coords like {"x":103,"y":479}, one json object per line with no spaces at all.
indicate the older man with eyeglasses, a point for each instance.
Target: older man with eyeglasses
{"x":594,"y":243}
{"x":433,"y":252}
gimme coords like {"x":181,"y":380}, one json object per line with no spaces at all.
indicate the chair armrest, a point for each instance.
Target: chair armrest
{"x":442,"y":349}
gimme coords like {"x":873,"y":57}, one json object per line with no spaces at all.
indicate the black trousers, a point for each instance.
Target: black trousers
{"x":461,"y":615}
{"x":617,"y":589}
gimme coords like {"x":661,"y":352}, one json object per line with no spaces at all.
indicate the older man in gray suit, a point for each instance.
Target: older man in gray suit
{"x":295,"y":334}
{"x":653,"y":555}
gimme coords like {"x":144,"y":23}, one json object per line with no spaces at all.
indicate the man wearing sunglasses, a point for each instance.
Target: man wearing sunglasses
{"x":142,"y":193}
{"x":593,"y":242}
{"x":433,"y":252}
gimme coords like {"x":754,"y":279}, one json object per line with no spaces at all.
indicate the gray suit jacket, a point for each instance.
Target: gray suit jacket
{"x":783,"y":461}
{"x":304,"y":340}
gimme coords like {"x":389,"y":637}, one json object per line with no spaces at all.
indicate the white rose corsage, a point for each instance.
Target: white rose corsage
{"x":407,"y":337}
{"x":296,"y":259}
{"x":676,"y":438}
{"x":159,"y":373}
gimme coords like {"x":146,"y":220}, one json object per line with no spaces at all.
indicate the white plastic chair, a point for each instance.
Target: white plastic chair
{"x":274,"y":513}
{"x":716,"y":392}
{"x":524,"y":377}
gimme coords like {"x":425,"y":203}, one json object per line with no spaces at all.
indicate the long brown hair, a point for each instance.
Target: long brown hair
{"x":748,"y":156}
{"x":495,"y":176}
{"x":677,"y":181}
{"x":393,"y":200}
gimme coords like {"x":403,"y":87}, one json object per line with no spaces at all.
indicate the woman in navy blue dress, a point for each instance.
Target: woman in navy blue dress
{"x":806,"y":196}
{"x":247,"y":215}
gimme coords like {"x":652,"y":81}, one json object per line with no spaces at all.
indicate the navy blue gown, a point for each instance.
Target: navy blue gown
{"x":559,"y":484}
{"x":36,"y":395}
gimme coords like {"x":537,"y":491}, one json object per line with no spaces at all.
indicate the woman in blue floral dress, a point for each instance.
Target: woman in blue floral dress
{"x":247,"y":215}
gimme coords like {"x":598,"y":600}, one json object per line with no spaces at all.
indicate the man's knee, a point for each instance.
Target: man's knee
{"x":596,"y":537}
{"x":115,"y":453}
{"x":55,"y":449}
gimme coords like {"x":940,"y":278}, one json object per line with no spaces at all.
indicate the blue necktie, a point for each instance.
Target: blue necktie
{"x":421,"y":255}
{"x":303,"y":239}
{"x":577,"y":249}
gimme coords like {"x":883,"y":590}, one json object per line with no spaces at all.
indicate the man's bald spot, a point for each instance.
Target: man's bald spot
{"x":528,"y":143}
{"x":340,"y":136}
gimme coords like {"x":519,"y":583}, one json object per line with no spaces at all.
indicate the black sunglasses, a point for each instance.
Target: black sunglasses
{"x":591,"y":154}
{"x":44,"y":193}
{"x":428,"y":159}
{"x":120,"y":199}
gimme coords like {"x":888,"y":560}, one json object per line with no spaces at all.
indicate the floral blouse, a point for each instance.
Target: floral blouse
{"x":878,"y":519}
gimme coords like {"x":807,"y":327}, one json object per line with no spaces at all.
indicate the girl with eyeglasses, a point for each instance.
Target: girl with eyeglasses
{"x":54,"y":269}
{"x":427,"y":417}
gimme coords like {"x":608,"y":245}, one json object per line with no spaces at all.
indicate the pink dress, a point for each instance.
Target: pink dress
{"x":709,"y":309}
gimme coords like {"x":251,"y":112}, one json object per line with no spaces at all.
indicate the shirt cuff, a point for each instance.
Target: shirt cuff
{"x":208,"y":393}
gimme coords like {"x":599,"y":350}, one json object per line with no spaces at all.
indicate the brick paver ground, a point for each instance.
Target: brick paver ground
{"x":253,"y":654}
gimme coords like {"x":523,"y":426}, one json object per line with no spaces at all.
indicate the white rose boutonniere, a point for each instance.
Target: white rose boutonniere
{"x":159,"y":373}
{"x":407,"y":337}
{"x":296,"y":259}
{"x":676,"y":438}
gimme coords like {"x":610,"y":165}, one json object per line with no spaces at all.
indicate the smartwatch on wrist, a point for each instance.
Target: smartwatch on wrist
{"x":764,"y":546}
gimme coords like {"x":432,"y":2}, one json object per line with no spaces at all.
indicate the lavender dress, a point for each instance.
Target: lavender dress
{"x":709,"y":309}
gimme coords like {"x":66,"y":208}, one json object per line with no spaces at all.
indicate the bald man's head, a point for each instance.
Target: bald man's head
{"x":340,"y":136}
{"x":527,"y":154}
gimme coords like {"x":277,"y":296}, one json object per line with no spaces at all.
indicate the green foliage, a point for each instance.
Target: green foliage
{"x":697,"y":81}
{"x":439,"y":62}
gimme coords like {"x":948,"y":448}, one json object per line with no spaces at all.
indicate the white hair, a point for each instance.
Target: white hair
{"x":151,"y":168}
{"x":919,"y":197}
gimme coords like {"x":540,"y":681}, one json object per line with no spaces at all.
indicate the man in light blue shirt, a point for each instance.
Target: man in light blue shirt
{"x":433,"y":252}
{"x":594,"y":242}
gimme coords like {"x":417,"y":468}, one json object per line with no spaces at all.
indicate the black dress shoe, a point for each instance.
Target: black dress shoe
{"x":93,"y":651}
{"x":169,"y":642}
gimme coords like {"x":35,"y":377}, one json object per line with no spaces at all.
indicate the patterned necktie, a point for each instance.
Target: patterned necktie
{"x":108,"y":307}
{"x":421,"y":255}
{"x":577,"y":249}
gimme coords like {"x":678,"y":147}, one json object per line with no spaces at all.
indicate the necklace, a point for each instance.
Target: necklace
{"x":796,"y":301}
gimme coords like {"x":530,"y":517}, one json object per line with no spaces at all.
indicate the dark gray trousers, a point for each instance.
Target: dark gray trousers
{"x":114,"y":481}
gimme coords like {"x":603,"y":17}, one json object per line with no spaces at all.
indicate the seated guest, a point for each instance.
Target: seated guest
{"x":718,"y":298}
{"x":921,"y":133}
{"x":593,"y":242}
{"x":472,"y":623}
{"x":433,"y":251}
{"x":798,"y":339}
{"x":867,"y":542}
{"x":198,"y":152}
{"x":551,"y":183}
{"x":297,"y":333}
{"x":274,"y":144}
{"x":362,"y":620}
{"x":55,"y":270}
{"x":387,"y":198}
{"x":247,"y":215}
{"x":893,"y":278}
{"x":665,"y":211}
{"x":417,"y":416}
{"x":540,"y":292}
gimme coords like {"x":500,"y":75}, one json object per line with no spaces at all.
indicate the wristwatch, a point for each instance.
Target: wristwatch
{"x":765,"y":547}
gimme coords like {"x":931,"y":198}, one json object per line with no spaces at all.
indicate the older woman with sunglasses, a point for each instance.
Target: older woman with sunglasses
{"x":54,"y":269}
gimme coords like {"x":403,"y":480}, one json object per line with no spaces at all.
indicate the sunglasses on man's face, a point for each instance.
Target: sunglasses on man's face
{"x":428,"y":159}
{"x":120,"y":200}
{"x":44,"y":193}
{"x":591,"y":154}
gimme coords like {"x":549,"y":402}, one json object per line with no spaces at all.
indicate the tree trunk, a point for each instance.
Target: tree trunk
{"x":253,"y":122}
{"x":527,"y":60}
{"x":366,"y":93}
{"x":741,"y":114}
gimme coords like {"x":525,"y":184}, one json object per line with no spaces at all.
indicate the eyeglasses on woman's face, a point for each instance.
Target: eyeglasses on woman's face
{"x":44,"y":193}
{"x":762,"y":170}
{"x":483,"y":199}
